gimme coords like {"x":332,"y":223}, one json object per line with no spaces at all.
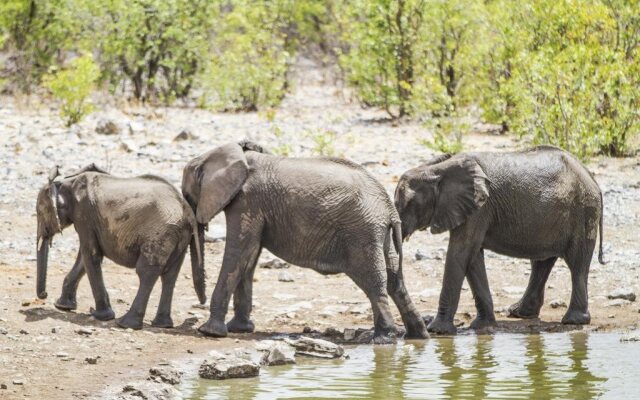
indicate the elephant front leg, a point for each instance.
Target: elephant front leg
{"x":240,"y":253}
{"x":459,"y":255}
{"x":243,"y":301}
{"x":479,"y":284}
{"x":148,"y":274}
{"x":67,"y":299}
{"x":533,"y":298}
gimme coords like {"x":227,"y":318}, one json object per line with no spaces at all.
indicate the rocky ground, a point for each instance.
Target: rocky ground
{"x":46,"y":353}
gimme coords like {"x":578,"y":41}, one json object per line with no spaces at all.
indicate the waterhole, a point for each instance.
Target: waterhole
{"x":575,"y":365}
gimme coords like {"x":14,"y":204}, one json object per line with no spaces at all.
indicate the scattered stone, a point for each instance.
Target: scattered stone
{"x":185,"y":134}
{"x":276,"y":352}
{"x":362,"y":308}
{"x":626,"y":294}
{"x":513,"y":290}
{"x":332,"y":332}
{"x":316,"y":347}
{"x":224,"y":366}
{"x":107,"y":127}
{"x":349,"y":334}
{"x":274,"y":264}
{"x":617,"y":303}
{"x":18,"y":382}
{"x":149,"y":390}
{"x":558,"y":304}
{"x":3,"y":331}
{"x":166,"y":374}
{"x":55,"y":329}
{"x":631,"y":337}
{"x":135,"y":127}
{"x":84,"y":331}
{"x":62,"y":354}
{"x":421,"y":255}
{"x":26,"y":303}
{"x":24,"y":332}
{"x":3,"y":386}
{"x":285,"y":276}
{"x":92,"y":360}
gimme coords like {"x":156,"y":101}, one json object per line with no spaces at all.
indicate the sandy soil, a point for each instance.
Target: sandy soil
{"x":42,"y":355}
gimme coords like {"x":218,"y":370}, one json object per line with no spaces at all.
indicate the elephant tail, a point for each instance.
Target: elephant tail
{"x":396,"y":227}
{"x":196,"y":250}
{"x":601,"y":252}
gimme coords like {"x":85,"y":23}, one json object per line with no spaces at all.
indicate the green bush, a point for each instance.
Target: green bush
{"x":73,"y":86}
{"x":448,"y":133}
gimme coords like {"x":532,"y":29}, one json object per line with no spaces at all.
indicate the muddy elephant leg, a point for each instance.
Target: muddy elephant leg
{"x":67,"y":299}
{"x":372,"y":279}
{"x":579,"y":261}
{"x":531,"y":302}
{"x":168,"y":279}
{"x":240,"y":253}
{"x":92,"y":260}
{"x":243,"y":301}
{"x":413,"y":322}
{"x":459,"y":254}
{"x":148,"y":274}
{"x":479,"y":284}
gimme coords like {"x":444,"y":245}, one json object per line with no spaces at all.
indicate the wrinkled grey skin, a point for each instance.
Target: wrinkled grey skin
{"x":142,"y":223}
{"x":326,"y":214}
{"x":539,"y":204}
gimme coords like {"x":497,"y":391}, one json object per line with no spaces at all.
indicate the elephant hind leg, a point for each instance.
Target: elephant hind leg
{"x":371,"y":278}
{"x":168,"y":278}
{"x":413,"y":322}
{"x":243,"y":299}
{"x":579,"y":260}
{"x":533,"y":298}
{"x":148,"y":274}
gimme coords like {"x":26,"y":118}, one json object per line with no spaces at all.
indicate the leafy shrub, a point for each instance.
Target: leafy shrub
{"x":73,"y":86}
{"x":447,"y":135}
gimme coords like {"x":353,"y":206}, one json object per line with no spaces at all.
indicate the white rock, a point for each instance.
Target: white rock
{"x":228,"y":367}
{"x":316,"y":347}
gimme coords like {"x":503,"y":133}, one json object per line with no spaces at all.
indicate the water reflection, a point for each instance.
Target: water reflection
{"x":464,"y":367}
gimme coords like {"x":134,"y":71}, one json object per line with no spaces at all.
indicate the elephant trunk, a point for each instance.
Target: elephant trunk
{"x":42,"y":259}
{"x":196,"y":252}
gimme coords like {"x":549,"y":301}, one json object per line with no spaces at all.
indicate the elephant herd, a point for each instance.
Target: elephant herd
{"x":333,"y":216}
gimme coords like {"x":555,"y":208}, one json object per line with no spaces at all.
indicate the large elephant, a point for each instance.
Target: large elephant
{"x":538,"y":204}
{"x":326,"y":214}
{"x":142,"y":223}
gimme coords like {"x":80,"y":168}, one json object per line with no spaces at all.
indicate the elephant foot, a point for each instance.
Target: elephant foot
{"x":441,"y":327}
{"x":129,"y":320}
{"x":213,"y":328}
{"x":575,"y":317}
{"x":518,"y":310}
{"x":240,"y":325}
{"x":416,"y":330}
{"x":482,"y":323}
{"x":65,"y":304}
{"x":162,"y":321}
{"x":103,"y":315}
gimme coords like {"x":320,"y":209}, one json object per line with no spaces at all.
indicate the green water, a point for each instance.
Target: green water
{"x":508,"y":366}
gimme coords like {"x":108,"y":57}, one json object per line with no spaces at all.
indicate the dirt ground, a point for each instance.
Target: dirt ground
{"x":42,"y":352}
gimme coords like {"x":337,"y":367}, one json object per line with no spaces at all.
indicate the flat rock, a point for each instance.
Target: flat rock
{"x":630,"y":337}
{"x":166,"y":374}
{"x":276,"y":352}
{"x":617,"y":303}
{"x":274,"y":264}
{"x":185,"y":134}
{"x":285,"y":276}
{"x":316,"y":347}
{"x":223,"y":366}
{"x":149,"y":390}
{"x":513,"y":290}
{"x":622,"y":293}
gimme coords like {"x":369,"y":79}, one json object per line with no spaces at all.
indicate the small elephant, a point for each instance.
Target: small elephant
{"x":539,"y":204}
{"x":326,"y":214}
{"x":142,"y":223}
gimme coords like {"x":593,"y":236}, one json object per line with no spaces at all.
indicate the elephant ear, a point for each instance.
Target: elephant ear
{"x":462,"y":189}
{"x":222,"y":175}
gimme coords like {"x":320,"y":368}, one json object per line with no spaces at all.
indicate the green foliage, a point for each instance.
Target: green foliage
{"x":73,"y":86}
{"x":324,"y":143}
{"x":447,"y":135}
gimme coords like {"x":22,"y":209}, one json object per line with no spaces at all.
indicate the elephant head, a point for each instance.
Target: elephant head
{"x":53,"y":209}
{"x":440,"y":194}
{"x":212,"y":180}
